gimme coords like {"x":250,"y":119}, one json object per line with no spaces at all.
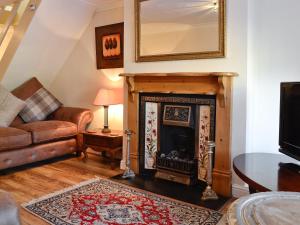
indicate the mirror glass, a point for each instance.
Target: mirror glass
{"x":179,"y":29}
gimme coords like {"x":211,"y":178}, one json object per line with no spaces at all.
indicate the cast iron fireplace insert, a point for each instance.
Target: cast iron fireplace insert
{"x":177,"y":142}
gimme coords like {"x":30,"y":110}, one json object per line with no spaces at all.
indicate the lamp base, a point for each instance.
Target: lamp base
{"x":105,"y":130}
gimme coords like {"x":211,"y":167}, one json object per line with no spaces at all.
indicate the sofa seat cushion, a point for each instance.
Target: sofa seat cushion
{"x":12,"y":138}
{"x":43,"y":131}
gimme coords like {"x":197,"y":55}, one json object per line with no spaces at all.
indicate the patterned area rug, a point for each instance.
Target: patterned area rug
{"x":101,"y":201}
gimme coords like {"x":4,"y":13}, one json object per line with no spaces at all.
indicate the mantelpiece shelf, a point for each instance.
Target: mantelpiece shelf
{"x":216,"y":84}
{"x":185,"y":74}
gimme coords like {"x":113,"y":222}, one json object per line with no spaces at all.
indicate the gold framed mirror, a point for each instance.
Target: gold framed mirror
{"x":179,"y":29}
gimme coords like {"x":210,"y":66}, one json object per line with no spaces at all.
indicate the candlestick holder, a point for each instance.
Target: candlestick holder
{"x":128,"y":173}
{"x":209,"y":193}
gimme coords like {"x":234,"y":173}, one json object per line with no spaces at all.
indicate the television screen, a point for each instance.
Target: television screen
{"x":289,"y":131}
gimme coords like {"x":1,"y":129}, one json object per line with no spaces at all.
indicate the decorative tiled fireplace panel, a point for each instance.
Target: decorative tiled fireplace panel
{"x":204,"y":129}
{"x":151,"y":128}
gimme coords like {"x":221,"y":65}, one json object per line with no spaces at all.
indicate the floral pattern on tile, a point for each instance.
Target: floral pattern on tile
{"x":204,"y":130}
{"x":151,"y":134}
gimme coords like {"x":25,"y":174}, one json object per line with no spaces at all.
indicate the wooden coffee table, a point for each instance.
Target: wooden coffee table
{"x":267,"y":172}
{"x":110,"y":143}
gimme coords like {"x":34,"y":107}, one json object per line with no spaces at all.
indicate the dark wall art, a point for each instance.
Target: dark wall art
{"x":109,"y":46}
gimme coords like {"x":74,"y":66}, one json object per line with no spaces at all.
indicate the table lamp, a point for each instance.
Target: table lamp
{"x":105,"y":98}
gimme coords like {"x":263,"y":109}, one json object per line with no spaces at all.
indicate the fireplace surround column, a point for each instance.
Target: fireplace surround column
{"x":214,"y":83}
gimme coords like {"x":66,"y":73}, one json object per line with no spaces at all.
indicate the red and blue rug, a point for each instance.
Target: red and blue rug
{"x":101,"y":201}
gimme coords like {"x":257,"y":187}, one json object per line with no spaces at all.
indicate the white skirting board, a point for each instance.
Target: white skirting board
{"x":123,"y":164}
{"x":239,"y":190}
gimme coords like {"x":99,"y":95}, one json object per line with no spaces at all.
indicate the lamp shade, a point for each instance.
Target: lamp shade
{"x":109,"y":97}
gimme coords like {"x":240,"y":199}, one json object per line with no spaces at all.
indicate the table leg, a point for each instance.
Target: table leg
{"x":252,"y":190}
{"x":112,"y":160}
{"x":85,"y":155}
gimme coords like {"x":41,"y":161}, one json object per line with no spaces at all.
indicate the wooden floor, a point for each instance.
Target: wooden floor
{"x":35,"y":181}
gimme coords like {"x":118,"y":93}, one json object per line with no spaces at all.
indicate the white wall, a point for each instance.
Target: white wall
{"x":273,"y":51}
{"x":49,"y":40}
{"x":236,"y":61}
{"x":78,"y":82}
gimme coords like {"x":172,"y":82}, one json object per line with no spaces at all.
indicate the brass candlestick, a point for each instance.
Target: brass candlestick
{"x":209,"y":193}
{"x":128,"y":173}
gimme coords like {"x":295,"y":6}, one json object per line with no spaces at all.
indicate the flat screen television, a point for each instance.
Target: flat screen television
{"x":289,"y":128}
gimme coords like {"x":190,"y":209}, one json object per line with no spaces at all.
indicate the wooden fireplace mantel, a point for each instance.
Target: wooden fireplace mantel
{"x":207,"y":83}
{"x":220,"y":90}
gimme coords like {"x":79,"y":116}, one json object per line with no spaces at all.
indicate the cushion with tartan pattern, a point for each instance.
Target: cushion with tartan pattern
{"x":39,"y":106}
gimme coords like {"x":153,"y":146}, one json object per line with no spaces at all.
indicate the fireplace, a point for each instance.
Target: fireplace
{"x":172,"y":135}
{"x":216,"y":86}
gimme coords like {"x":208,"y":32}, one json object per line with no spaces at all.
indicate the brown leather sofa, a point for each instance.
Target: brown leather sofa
{"x":23,"y":143}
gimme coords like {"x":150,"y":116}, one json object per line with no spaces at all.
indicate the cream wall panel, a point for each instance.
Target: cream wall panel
{"x":78,"y":82}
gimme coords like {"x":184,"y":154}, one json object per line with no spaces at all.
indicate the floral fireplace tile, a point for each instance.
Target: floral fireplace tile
{"x":151,"y":127}
{"x":204,"y":130}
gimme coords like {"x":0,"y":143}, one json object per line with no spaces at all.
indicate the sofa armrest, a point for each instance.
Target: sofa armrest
{"x":81,"y":117}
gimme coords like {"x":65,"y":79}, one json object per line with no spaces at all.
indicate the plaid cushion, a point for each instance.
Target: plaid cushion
{"x":39,"y":106}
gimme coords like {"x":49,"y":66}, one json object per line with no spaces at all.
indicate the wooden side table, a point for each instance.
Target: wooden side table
{"x":110,"y":143}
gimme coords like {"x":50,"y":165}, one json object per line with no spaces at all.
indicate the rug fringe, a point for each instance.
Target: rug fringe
{"x":62,"y":191}
{"x":38,"y":216}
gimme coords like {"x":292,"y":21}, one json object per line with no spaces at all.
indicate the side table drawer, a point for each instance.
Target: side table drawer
{"x":103,"y":141}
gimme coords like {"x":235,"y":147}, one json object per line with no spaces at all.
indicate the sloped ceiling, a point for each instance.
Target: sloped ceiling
{"x":53,"y":33}
{"x":102,"y":5}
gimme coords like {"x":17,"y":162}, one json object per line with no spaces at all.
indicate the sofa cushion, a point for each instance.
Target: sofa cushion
{"x":10,"y":106}
{"x":23,"y":92}
{"x":43,"y":131}
{"x":27,"y":89}
{"x":17,"y":121}
{"x":41,"y":104}
{"x":12,"y":138}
